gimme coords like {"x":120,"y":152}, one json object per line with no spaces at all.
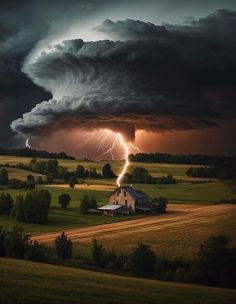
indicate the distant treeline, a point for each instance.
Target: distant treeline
{"x":224,"y":171}
{"x":197,"y":159}
{"x":26,"y":152}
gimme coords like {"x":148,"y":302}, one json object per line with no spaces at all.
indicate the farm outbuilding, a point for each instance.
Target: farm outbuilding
{"x":126,"y":200}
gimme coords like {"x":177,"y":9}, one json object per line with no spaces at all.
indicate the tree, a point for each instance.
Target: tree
{"x":160,"y":204}
{"x":18,"y":211}
{"x":63,"y":246}
{"x":3,"y":177}
{"x":64,"y":200}
{"x":84,"y":206}
{"x":72,"y":181}
{"x":142,"y":261}
{"x":87,"y":202}
{"x":107,"y":171}
{"x":6,"y":203}
{"x":98,"y":254}
{"x":30,"y":182}
{"x":80,"y":171}
{"x":33,"y":208}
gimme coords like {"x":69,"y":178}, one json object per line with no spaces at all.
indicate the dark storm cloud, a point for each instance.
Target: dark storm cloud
{"x":23,"y":23}
{"x":153,"y":78}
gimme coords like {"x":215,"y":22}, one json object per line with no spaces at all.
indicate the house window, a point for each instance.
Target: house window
{"x":126,"y":203}
{"x":116,"y":202}
{"x":124,"y":193}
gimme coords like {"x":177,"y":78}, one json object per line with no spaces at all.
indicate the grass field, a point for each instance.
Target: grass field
{"x":28,"y":282}
{"x":178,"y":170}
{"x":21,"y":174}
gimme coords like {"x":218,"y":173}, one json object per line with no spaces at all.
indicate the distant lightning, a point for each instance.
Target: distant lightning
{"x":27,"y":145}
{"x":112,"y":147}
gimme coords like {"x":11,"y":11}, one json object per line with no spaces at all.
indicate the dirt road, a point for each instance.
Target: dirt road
{"x":177,"y":215}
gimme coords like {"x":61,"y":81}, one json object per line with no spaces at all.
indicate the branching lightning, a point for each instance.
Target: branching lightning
{"x":127,"y":147}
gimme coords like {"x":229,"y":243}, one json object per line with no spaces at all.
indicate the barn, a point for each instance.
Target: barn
{"x":127,"y":199}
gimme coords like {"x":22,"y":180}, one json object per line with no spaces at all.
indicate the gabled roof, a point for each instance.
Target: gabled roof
{"x":135,"y":193}
{"x":110,"y":207}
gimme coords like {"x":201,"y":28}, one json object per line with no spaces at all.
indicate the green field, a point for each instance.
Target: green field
{"x":178,"y":170}
{"x":28,"y":282}
{"x":188,"y":192}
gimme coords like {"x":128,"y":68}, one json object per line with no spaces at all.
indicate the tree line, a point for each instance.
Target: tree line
{"x":26,"y":152}
{"x":214,"y":265}
{"x":225,"y":171}
{"x":141,"y":175}
{"x":198,"y":159}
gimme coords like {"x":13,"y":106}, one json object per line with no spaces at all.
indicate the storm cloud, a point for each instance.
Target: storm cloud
{"x":142,"y":77}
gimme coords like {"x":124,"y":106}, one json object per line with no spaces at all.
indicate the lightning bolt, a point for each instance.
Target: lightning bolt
{"x":27,"y":145}
{"x":126,"y":149}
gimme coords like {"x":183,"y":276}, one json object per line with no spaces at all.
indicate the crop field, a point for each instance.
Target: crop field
{"x":42,"y":283}
{"x":178,"y":233}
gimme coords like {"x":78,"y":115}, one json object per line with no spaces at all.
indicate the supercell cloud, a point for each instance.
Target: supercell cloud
{"x":142,"y":77}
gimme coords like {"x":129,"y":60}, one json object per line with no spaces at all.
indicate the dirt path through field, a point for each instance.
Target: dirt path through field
{"x":177,"y":214}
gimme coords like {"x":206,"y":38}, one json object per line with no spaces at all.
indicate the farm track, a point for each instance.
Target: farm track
{"x":177,"y":215}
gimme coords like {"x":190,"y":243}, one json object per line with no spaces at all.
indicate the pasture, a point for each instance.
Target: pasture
{"x":189,"y":192}
{"x":42,"y":283}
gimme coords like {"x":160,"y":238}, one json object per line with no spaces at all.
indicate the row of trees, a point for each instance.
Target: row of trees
{"x":224,"y":171}
{"x":16,"y":244}
{"x":197,"y":159}
{"x":141,"y":175}
{"x":31,"y":208}
{"x":34,"y":153}
{"x":215,"y":264}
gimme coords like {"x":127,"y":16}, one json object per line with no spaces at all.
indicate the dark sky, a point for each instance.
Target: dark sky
{"x":165,"y":67}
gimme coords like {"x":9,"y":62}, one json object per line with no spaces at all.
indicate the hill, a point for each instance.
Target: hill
{"x":29,"y":282}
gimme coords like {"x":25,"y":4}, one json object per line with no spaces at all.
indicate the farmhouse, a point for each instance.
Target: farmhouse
{"x":126,"y":200}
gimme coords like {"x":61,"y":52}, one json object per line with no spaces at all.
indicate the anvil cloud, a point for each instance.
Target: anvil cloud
{"x":143,"y":76}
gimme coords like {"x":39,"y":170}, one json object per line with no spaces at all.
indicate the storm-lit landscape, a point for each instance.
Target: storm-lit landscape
{"x":117,"y":153}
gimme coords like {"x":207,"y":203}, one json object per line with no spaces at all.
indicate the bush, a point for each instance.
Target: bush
{"x":63,"y":246}
{"x":6,"y":204}
{"x":36,"y":252}
{"x":160,"y":204}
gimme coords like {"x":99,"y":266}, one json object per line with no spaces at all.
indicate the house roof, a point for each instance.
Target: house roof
{"x":110,"y":207}
{"x":135,"y":193}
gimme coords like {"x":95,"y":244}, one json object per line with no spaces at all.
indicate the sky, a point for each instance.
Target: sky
{"x":162,"y":73}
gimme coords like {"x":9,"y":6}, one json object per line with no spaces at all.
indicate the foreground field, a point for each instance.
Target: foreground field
{"x":177,"y":233}
{"x":28,"y":282}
